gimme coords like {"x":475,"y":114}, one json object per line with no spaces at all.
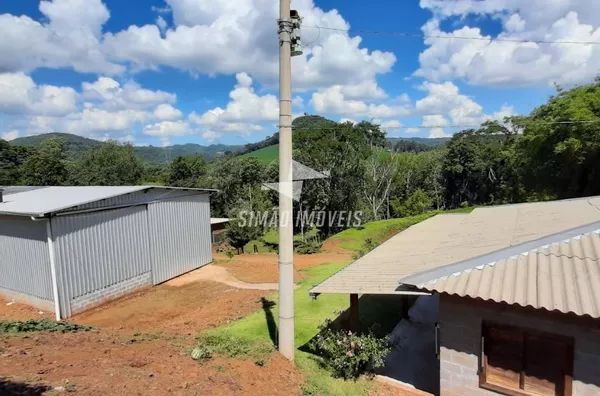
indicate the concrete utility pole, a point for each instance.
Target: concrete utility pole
{"x":286,"y":223}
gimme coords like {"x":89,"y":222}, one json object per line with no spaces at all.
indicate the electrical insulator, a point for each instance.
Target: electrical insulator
{"x":296,"y":40}
{"x":296,"y":46}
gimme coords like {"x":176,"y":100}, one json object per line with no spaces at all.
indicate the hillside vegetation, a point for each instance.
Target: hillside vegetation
{"x":76,"y":146}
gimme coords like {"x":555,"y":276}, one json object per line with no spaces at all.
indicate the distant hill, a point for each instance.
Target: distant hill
{"x":77,"y":145}
{"x":267,"y":150}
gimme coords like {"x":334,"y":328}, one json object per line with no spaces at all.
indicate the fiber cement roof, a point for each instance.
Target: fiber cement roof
{"x":563,"y":276}
{"x":428,"y":250}
{"x":41,"y":201}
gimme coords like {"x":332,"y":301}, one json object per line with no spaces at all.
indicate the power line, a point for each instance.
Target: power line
{"x":524,"y":123}
{"x":448,"y":37}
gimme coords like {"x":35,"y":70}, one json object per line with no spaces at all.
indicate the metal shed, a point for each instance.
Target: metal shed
{"x":67,"y":249}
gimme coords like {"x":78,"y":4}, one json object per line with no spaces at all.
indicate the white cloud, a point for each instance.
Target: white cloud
{"x":19,"y":94}
{"x":242,"y":114}
{"x":166,"y":112}
{"x":167,"y":129}
{"x":413,"y":130}
{"x":437,"y":123}
{"x":509,"y":63}
{"x":10,"y":135}
{"x":111,"y":95}
{"x":391,"y":124}
{"x":334,"y":100}
{"x":298,"y":101}
{"x":233,"y":36}
{"x":71,"y":38}
{"x":445,"y":99}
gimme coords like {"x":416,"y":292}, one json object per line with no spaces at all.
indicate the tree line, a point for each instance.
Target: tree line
{"x":552,"y":153}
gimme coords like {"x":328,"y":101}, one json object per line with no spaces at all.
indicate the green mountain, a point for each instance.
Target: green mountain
{"x":267,"y":150}
{"x":77,"y":145}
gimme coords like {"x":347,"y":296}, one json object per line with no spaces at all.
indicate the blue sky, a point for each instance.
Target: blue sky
{"x":175,"y":71}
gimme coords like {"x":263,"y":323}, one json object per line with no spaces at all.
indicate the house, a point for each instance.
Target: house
{"x":67,"y":249}
{"x":517,"y":294}
{"x":218,"y":226}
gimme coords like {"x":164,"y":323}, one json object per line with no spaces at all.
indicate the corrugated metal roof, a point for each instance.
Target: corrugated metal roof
{"x":39,"y":202}
{"x":17,"y":189}
{"x":484,"y":235}
{"x":563,"y":276}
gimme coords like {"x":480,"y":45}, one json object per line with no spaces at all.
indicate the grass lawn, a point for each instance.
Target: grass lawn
{"x":353,"y":239}
{"x":265,"y":155}
{"x":258,"y":328}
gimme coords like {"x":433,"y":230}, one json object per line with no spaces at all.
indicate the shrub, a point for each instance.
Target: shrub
{"x":47,"y":325}
{"x":348,"y":355}
{"x":368,"y":245}
{"x":307,"y":247}
{"x":229,"y":253}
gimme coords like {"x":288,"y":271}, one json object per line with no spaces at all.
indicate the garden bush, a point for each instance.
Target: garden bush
{"x":348,"y":355}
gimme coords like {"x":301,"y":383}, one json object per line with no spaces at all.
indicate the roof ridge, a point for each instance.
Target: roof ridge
{"x":515,"y":256}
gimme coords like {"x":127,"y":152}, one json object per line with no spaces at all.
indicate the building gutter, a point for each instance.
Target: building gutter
{"x":52,"y":264}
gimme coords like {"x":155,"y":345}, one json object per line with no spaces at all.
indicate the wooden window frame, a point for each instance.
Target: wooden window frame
{"x":568,"y":380}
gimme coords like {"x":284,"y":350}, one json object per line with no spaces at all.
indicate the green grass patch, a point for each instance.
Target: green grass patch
{"x":262,"y":247}
{"x":260,"y":328}
{"x":353,"y":239}
{"x":266,"y":155}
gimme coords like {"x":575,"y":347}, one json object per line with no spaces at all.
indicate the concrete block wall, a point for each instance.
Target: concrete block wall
{"x":98,"y":297}
{"x":460,"y":344}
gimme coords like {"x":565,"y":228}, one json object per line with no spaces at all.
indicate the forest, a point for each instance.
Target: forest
{"x":552,"y":153}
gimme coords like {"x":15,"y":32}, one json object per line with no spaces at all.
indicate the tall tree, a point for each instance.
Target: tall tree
{"x":111,"y":164}
{"x":186,"y":171}
{"x":380,"y":171}
{"x":11,"y":158}
{"x":47,"y":166}
{"x":560,"y":146}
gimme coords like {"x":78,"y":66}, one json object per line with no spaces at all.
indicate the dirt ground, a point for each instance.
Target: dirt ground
{"x":182,"y":310}
{"x":140,"y":343}
{"x":261,"y":268}
{"x":98,"y":364}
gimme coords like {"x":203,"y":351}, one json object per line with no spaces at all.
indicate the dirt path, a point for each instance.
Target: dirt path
{"x":219,"y":274}
{"x":263,"y":268}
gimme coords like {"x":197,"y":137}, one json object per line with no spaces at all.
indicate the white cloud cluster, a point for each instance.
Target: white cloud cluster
{"x":243,"y":114}
{"x":112,"y":96}
{"x":216,"y":37}
{"x":349,"y":101}
{"x":20,"y":95}
{"x":71,"y":38}
{"x":444,"y":101}
{"x":10,"y":135}
{"x":514,"y":63}
{"x":103,"y":109}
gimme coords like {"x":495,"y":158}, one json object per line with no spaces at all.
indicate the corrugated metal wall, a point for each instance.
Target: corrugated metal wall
{"x":180,"y":236}
{"x":100,"y":249}
{"x":24,"y":257}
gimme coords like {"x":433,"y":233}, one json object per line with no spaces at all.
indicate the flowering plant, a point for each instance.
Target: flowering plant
{"x":346,"y":354}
